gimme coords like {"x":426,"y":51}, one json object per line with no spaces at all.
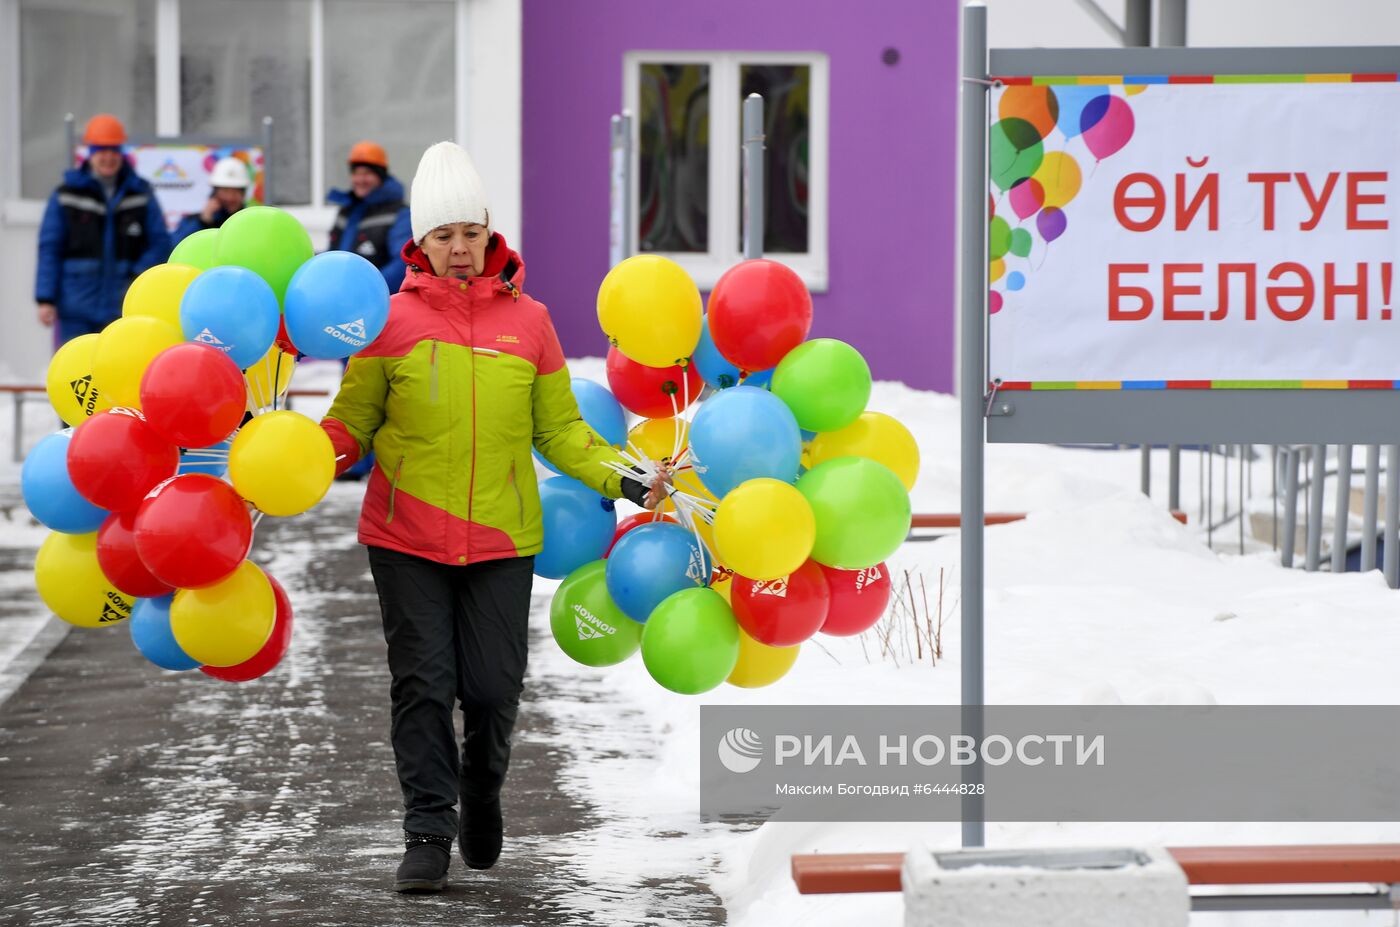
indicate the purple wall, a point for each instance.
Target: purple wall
{"x":892,"y":163}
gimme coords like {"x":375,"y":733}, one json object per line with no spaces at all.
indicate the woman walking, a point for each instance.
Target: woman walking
{"x":467,"y":375}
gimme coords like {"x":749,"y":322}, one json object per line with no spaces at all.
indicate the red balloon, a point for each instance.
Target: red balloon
{"x":647,"y":391}
{"x":116,"y":457}
{"x":271,"y":654}
{"x":194,"y":395}
{"x":284,"y":340}
{"x":858,"y":599}
{"x":193,"y":530}
{"x":634,"y":521}
{"x":759,"y":310}
{"x":116,"y":555}
{"x":782,"y":612}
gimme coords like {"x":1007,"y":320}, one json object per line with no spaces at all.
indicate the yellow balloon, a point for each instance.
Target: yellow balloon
{"x":72,"y":392}
{"x":226,"y":623}
{"x":1058,"y":175}
{"x":760,"y":665}
{"x":282,"y":462}
{"x":764,"y":529}
{"x":274,"y":370}
{"x":656,"y":437}
{"x":125,"y":348}
{"x":650,"y":308}
{"x":996,"y":270}
{"x":72,"y":584}
{"x":157,"y":292}
{"x":874,"y":435}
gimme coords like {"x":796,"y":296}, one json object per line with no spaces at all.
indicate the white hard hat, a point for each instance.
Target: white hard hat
{"x":230,"y":172}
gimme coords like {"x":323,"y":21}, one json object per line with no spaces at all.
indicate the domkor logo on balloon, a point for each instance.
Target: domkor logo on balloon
{"x":209,"y":338}
{"x":85,"y":393}
{"x":351,"y":332}
{"x":590,"y":625}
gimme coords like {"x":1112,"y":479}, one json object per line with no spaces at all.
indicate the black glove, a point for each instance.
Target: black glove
{"x":634,"y":491}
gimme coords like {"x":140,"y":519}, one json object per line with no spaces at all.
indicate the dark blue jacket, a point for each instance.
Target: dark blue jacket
{"x":376,"y":228}
{"x":91,"y":249}
{"x":194,"y":222}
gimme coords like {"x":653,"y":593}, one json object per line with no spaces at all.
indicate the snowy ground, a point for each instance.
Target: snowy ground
{"x":1098,"y":596}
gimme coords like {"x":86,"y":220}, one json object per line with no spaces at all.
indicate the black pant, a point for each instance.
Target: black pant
{"x":454,"y":633}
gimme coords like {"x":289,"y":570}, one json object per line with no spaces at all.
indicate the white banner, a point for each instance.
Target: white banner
{"x":1195,"y":234}
{"x":180,"y":173}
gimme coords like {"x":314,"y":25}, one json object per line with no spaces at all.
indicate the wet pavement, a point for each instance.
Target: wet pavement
{"x":129,"y":795}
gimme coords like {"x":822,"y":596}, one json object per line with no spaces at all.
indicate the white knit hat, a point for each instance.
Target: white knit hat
{"x":446,"y":189}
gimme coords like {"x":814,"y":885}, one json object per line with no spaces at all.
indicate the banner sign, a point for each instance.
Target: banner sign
{"x":180,"y":173}
{"x":1164,"y":232}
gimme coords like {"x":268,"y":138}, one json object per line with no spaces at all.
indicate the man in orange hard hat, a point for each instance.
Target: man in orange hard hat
{"x":102,"y":228}
{"x":373,"y":220}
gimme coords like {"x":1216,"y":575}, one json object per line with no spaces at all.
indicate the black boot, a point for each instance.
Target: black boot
{"x":479,"y":832}
{"x":424,"y":866}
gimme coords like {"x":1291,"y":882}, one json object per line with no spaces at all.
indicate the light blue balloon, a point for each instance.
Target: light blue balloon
{"x":336,"y":304}
{"x":709,"y":363}
{"x":232,"y":309}
{"x":578,"y":527}
{"x":1072,"y":100}
{"x":1015,"y":280}
{"x":195,"y":462}
{"x":49,"y":492}
{"x":742,"y":434}
{"x":150,"y":632}
{"x":654,"y":561}
{"x":601,"y":410}
{"x":763,"y":379}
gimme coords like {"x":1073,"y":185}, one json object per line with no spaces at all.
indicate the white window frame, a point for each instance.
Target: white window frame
{"x":725,"y":170}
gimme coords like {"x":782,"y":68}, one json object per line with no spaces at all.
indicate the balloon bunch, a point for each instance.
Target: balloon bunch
{"x":787,"y":497}
{"x":165,"y":402}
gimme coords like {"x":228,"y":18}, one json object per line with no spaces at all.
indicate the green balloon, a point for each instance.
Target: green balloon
{"x":1021,"y":242}
{"x":999,"y":238}
{"x":825,"y":382}
{"x":587,"y":624}
{"x":196,"y":250}
{"x":862,"y":510}
{"x":267,"y":241}
{"x":690,"y":643}
{"x":1015,"y":151}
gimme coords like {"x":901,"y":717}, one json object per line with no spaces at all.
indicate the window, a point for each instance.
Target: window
{"x":114,"y":74}
{"x":687,"y":179}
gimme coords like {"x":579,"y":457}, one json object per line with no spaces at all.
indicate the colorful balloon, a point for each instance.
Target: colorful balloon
{"x":764,"y":529}
{"x":193,"y":395}
{"x":49,"y":492}
{"x":1036,"y":105}
{"x":282,"y":462}
{"x":635,"y":521}
{"x":825,"y":382}
{"x":121,"y":564}
{"x":759,"y":311}
{"x":232,"y":309}
{"x":652,"y":562}
{"x":578,"y":526}
{"x":858,"y":599}
{"x":193,"y":531}
{"x":601,"y":410}
{"x":760,"y":665}
{"x":72,"y":584}
{"x":1051,"y":223}
{"x":650,"y":309}
{"x":69,"y":383}
{"x":211,"y":460}
{"x":1058,"y":177}
{"x":1015,"y":151}
{"x":1015,"y":281}
{"x":197,"y":250}
{"x":996,"y":270}
{"x":710,"y":364}
{"x":876,"y":436}
{"x":1072,"y":99}
{"x":783,"y":612}
{"x":691,"y":643}
{"x":1021,"y":242}
{"x":994,"y":302}
{"x":587,"y":624}
{"x":228,"y":622}
{"x":659,"y":438}
{"x":116,"y":457}
{"x":271,"y":653}
{"x":267,"y":241}
{"x":862,"y":511}
{"x":741,"y":434}
{"x":652,"y":392}
{"x":269,"y":377}
{"x":335,"y":305}
{"x":998,"y":237}
{"x":1026,"y":199}
{"x":150,"y":632}
{"x":125,"y":348}
{"x":1107,"y":123}
{"x":158,"y":291}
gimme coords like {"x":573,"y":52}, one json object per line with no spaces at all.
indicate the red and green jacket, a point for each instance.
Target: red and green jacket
{"x":466,"y":377}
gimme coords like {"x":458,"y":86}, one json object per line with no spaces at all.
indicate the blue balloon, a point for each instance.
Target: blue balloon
{"x":710,"y":364}
{"x":49,"y":492}
{"x":232,"y":309}
{"x":578,"y":527}
{"x":150,"y":632}
{"x":654,"y":561}
{"x":807,"y":435}
{"x":763,"y":379}
{"x":1072,"y":100}
{"x":336,"y":304}
{"x":601,"y":410}
{"x":193,"y":461}
{"x":741,"y":434}
{"x":1015,"y":280}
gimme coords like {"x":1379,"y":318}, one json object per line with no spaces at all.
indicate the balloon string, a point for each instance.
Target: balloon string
{"x":276,"y":375}
{"x":204,"y":452}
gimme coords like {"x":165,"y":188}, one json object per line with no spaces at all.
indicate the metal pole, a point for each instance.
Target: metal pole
{"x":1339,"y":517}
{"x":1273,"y":487}
{"x":1242,"y":498}
{"x":1368,"y":508}
{"x":1210,"y":496}
{"x":1137,"y":23}
{"x":629,"y":230}
{"x":70,"y":139}
{"x":1174,"y":477}
{"x":617,"y":198}
{"x":1392,"y":515}
{"x":972,"y":275}
{"x":1290,"y":504}
{"x":268,"y":172}
{"x":1145,"y":471}
{"x":753,"y":176}
{"x":17,"y":445}
{"x":1317,"y":486}
{"x":1171,"y":23}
